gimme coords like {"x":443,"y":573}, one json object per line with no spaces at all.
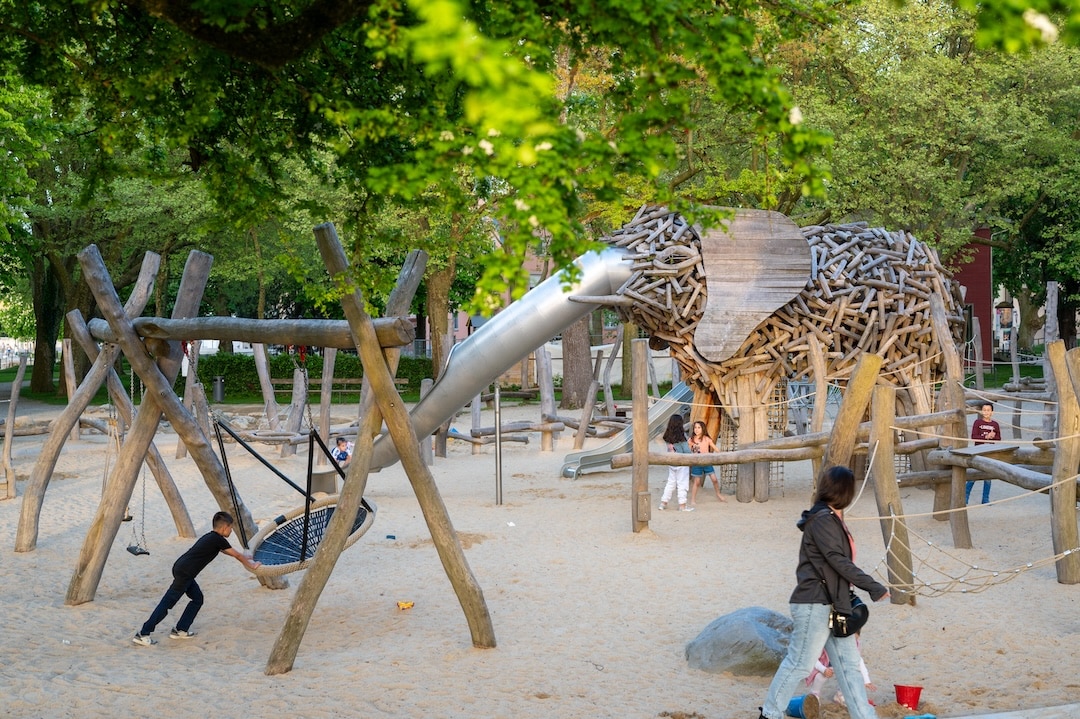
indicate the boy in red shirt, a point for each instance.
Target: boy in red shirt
{"x":983,"y":430}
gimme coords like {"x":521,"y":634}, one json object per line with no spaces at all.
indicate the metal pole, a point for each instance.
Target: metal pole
{"x":498,"y":445}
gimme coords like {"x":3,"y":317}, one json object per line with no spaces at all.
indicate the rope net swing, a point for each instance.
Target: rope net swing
{"x":280,"y":544}
{"x":288,"y":543}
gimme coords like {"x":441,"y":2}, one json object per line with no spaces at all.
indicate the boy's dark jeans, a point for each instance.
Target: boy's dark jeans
{"x":179,"y":588}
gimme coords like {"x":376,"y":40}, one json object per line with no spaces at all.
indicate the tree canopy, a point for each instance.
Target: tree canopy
{"x":475,"y":119}
{"x":409,"y":97}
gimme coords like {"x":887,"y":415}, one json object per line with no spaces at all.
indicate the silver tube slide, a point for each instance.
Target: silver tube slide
{"x":506,"y":339}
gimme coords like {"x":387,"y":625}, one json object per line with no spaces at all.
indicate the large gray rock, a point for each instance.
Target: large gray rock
{"x":747,"y":641}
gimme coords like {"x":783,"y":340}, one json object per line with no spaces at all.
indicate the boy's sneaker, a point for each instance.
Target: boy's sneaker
{"x":143,"y":640}
{"x":180,"y":634}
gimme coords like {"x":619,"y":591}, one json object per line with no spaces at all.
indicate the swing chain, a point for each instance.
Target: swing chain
{"x":139,"y":540}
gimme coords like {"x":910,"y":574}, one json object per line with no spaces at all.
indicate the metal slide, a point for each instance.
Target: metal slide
{"x":600,"y":457}
{"x":506,"y":339}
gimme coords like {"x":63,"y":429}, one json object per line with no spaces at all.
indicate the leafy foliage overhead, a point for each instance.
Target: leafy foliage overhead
{"x":411,"y":97}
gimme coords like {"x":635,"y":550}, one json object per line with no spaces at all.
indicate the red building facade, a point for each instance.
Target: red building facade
{"x":977,"y":276}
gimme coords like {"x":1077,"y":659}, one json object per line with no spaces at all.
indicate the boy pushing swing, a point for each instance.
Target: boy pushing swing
{"x":184,"y":571}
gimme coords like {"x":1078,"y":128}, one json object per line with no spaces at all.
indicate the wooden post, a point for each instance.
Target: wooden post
{"x":475,"y":411}
{"x":630,"y":332}
{"x":69,"y":379}
{"x":295,"y":417}
{"x":640,"y":499}
{"x":262,"y":369}
{"x":41,"y":474}
{"x":856,"y":397}
{"x":976,"y":332}
{"x":590,"y":403}
{"x":744,"y":437}
{"x":1066,"y":460}
{"x":325,"y":397}
{"x":545,"y":382}
{"x":821,"y":395}
{"x":352,"y":491}
{"x":377,"y":375}
{"x":287,"y":644}
{"x":9,"y":427}
{"x":759,"y":412}
{"x":126,"y":411}
{"x":427,"y":452}
{"x":952,"y":394}
{"x":391,"y":331}
{"x":192,"y":379}
{"x":1050,"y":334}
{"x":200,"y":407}
{"x":616,"y":350}
{"x":893,"y":531}
{"x":158,"y":378}
{"x":442,"y":432}
{"x":652,"y":375}
{"x":1014,"y":356}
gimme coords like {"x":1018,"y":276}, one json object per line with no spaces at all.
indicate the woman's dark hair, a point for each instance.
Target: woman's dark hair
{"x":675,"y":432}
{"x":836,"y":487}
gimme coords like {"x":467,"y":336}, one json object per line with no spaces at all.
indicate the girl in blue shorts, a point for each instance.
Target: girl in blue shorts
{"x":700,"y":442}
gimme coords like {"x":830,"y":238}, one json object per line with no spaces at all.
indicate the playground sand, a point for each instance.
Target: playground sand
{"x":591,"y":619}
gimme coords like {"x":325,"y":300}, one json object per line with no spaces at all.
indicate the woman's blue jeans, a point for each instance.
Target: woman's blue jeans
{"x":809,"y":635}
{"x":172,"y":596}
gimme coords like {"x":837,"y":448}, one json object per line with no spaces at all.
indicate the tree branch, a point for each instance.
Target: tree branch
{"x":271,"y":45}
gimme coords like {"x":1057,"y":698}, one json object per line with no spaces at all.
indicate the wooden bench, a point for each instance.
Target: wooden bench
{"x":343,"y":385}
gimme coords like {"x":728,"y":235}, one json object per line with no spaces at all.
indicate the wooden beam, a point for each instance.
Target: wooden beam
{"x":1021,"y":477}
{"x":158,"y":377}
{"x":1066,"y":460}
{"x":125,"y":409}
{"x":390,"y":331}
{"x":9,"y":427}
{"x":890,"y":509}
{"x":378,"y":377}
{"x":639,"y":483}
{"x":856,"y":398}
{"x":952,"y":393}
{"x":100,"y":370}
{"x":736,"y":456}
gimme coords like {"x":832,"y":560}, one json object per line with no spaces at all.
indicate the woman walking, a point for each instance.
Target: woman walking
{"x":824,"y":576}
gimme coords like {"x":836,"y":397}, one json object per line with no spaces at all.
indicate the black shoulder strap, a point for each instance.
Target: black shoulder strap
{"x":821,"y":576}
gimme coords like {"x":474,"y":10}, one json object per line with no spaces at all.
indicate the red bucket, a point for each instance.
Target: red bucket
{"x":908,"y":696}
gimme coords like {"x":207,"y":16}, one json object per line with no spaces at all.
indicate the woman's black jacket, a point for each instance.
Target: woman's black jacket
{"x":825,"y":553}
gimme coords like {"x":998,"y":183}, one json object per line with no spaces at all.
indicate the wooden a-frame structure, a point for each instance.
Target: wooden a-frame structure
{"x":155,"y":357}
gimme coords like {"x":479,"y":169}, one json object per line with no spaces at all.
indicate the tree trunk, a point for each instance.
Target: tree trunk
{"x":577,"y":365}
{"x":79,"y":298}
{"x":438,"y":309}
{"x":221,"y":309}
{"x":48,"y":298}
{"x":260,"y":274}
{"x":1067,"y":320}
{"x":1030,"y":321}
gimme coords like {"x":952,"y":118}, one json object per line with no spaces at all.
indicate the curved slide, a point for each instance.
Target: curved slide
{"x":600,"y":458}
{"x":507,"y":338}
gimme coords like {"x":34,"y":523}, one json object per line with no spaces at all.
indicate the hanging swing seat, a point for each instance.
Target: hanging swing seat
{"x":278,"y":544}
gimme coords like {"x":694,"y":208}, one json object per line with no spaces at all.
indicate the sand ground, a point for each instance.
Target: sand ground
{"x":591,"y":619}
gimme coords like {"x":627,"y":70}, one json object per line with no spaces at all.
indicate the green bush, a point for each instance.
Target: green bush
{"x":241,"y":377}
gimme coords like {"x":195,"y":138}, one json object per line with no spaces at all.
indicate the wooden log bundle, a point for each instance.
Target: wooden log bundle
{"x":867,"y":291}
